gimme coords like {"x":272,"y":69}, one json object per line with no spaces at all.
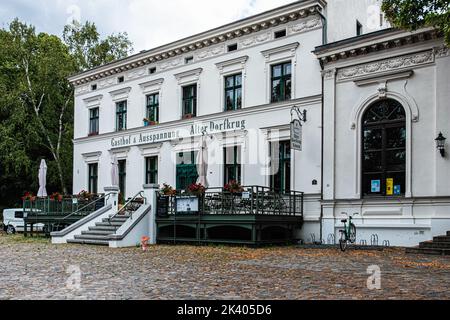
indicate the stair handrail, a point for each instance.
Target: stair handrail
{"x":139,"y":194}
{"x":105,"y":197}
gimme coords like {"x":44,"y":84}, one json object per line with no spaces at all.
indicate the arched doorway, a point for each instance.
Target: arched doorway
{"x":384,"y":149}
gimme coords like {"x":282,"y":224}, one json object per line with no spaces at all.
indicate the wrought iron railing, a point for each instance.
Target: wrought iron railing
{"x":90,"y":207}
{"x":254,"y":200}
{"x":130,"y":206}
{"x":63,"y":207}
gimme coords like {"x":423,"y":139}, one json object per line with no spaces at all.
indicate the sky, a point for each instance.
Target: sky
{"x":149,"y":23}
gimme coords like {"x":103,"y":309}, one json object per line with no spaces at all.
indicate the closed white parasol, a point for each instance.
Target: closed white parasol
{"x":42,"y":179}
{"x":114,"y":171}
{"x":202,"y":162}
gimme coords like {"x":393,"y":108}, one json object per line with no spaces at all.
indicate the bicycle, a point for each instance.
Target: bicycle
{"x":349,"y":232}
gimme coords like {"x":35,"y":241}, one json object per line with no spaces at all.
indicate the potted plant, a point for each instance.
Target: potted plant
{"x":188,"y":116}
{"x":196,"y":189}
{"x":167,"y":190}
{"x":56,"y":196}
{"x":29,"y":196}
{"x":84,"y":195}
{"x":234,"y":187}
{"x":146,"y":122}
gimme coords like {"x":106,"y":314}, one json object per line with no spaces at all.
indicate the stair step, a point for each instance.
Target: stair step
{"x":103,"y":228}
{"x":435,"y":245}
{"x":122,"y":220}
{"x":98,"y":232}
{"x":92,"y":237}
{"x":442,"y":239}
{"x":428,"y":251}
{"x":448,"y":233}
{"x":92,"y":242}
{"x":109,"y":224}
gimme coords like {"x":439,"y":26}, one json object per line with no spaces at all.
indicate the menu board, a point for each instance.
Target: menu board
{"x":187,"y":205}
{"x":162,"y":206}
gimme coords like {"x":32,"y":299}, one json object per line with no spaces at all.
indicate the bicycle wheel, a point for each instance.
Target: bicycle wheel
{"x":352,"y":233}
{"x":343,"y":242}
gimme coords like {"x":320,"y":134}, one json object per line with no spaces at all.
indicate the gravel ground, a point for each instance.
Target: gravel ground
{"x":36,"y":269}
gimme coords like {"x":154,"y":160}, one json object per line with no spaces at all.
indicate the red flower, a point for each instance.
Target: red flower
{"x":197,"y":189}
{"x":233,"y":187}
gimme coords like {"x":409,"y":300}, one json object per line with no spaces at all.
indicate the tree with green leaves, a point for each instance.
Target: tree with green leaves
{"x":36,"y":101}
{"x":415,"y":14}
{"x":89,"y":50}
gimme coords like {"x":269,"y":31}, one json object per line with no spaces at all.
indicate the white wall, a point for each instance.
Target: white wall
{"x":423,"y":89}
{"x":256,"y":71}
{"x":342,"y":16}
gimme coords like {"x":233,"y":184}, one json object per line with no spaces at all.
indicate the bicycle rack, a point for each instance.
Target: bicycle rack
{"x":374,"y":240}
{"x":331,"y":239}
{"x":386,"y":243}
{"x":363,"y":243}
{"x":313,"y":238}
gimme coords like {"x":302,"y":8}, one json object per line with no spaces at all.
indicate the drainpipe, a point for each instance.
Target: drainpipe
{"x":324,"y":41}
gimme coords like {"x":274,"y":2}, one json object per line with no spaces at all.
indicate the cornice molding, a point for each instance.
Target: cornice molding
{"x":329,"y":73}
{"x":93,"y":101}
{"x":120,"y":94}
{"x":352,"y":50}
{"x":291,"y":48}
{"x":188,"y":76}
{"x":309,"y":8}
{"x":385,"y":65}
{"x":91,"y":157}
{"x":152,"y":85}
{"x":241,"y":60}
{"x":384,"y":78}
{"x":442,"y":51}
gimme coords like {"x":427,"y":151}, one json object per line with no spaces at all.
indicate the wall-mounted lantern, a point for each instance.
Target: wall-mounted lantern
{"x":440,"y":144}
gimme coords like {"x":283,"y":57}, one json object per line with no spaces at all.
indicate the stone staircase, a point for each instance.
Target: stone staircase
{"x":100,"y":234}
{"x":439,"y":246}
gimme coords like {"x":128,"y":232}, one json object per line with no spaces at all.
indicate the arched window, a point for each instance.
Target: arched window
{"x":384,"y":149}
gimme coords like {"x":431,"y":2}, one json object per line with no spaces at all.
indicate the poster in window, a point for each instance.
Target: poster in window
{"x":376,"y":186}
{"x":397,"y":190}
{"x":390,"y":187}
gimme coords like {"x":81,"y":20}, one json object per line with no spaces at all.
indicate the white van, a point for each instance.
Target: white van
{"x":13,"y":221}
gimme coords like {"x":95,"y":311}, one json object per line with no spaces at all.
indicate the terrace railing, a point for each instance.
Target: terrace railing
{"x":132,"y":205}
{"x":254,"y":200}
{"x":64,"y":207}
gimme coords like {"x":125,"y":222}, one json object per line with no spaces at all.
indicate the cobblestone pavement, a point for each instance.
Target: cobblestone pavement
{"x":35,"y":269}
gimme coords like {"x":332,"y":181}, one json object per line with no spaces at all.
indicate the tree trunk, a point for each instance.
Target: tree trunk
{"x":60,"y":174}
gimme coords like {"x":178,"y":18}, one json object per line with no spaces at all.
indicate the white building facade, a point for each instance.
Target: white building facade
{"x":386,"y":100}
{"x":237,"y":85}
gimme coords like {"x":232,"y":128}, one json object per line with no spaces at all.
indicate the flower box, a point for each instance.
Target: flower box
{"x":188,"y":116}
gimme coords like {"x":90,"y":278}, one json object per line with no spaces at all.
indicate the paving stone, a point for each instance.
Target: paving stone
{"x":39,"y":270}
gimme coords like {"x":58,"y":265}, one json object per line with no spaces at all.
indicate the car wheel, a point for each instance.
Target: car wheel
{"x":10,"y":230}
